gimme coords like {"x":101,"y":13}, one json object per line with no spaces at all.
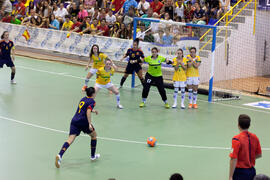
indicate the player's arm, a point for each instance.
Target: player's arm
{"x":176,"y":66}
{"x":233,"y":162}
{"x":113,"y":65}
{"x":184,"y":66}
{"x":124,"y":57}
{"x":88,"y":64}
{"x":195,"y":63}
{"x":88,"y":113}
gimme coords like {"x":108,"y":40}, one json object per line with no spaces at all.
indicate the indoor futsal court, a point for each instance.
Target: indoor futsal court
{"x":35,"y":116}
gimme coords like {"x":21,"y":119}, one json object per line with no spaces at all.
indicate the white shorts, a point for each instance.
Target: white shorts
{"x":108,"y":85}
{"x":193,"y":80}
{"x":178,"y":84}
{"x":93,"y":71}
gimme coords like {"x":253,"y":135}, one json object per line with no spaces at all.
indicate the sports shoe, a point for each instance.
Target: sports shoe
{"x":174,"y":105}
{"x":167,"y":106}
{"x":195,"y":106}
{"x":119,"y":106}
{"x":142,"y":104}
{"x":183,"y":106}
{"x":13,"y":82}
{"x":84,"y":88}
{"x":95,"y":157}
{"x":58,"y":160}
{"x":189,"y":106}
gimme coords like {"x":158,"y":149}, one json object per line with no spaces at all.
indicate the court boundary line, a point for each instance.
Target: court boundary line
{"x":77,"y":77}
{"x":120,"y":140}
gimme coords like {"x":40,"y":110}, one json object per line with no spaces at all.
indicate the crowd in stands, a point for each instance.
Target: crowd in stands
{"x":114,"y":18}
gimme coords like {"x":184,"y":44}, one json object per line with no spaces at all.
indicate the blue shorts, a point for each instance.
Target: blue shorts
{"x":244,"y":173}
{"x":133,"y":67}
{"x":76,"y":129}
{"x":8,"y":63}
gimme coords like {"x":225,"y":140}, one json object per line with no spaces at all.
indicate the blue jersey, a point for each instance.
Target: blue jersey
{"x":135,"y":55}
{"x":80,"y":116}
{"x":5,"y":49}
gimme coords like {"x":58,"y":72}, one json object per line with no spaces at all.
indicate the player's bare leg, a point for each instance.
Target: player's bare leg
{"x":140,"y":75}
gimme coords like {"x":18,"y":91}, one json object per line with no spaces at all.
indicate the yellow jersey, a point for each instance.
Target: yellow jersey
{"x":192,"y":71}
{"x":67,"y":26}
{"x":180,"y":74}
{"x":104,"y":77}
{"x":98,"y":61}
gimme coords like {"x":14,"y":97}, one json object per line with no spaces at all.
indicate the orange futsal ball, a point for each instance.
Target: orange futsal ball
{"x":151,"y":141}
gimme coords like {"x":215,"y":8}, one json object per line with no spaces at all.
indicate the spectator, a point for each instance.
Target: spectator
{"x":122,"y":32}
{"x":110,"y":19}
{"x":128,"y":19}
{"x":73,"y":10}
{"x":154,"y":26}
{"x":76,"y":25}
{"x":261,"y":177}
{"x":93,"y":27}
{"x":61,"y":13}
{"x":149,"y":37}
{"x":199,"y":15}
{"x":67,"y":24}
{"x":158,"y":37}
{"x":179,"y":10}
{"x":82,"y":13}
{"x":246,"y":149}
{"x":102,"y":14}
{"x":188,"y":12}
{"x":156,"y":5}
{"x":96,"y":13}
{"x":127,"y":5}
{"x":140,"y":33}
{"x":224,"y":6}
{"x":103,"y":28}
{"x":6,"y":8}
{"x":14,"y":20}
{"x":55,"y":8}
{"x":86,"y":25}
{"x":168,"y":8}
{"x":39,"y":22}
{"x":176,"y":176}
{"x":57,"y":2}
{"x":130,"y":31}
{"x":20,"y":9}
{"x":143,"y":7}
{"x":31,"y":15}
{"x":30,"y":7}
{"x":32,"y":22}
{"x":114,"y":31}
{"x":47,"y":10}
{"x":116,"y":5}
{"x":91,"y":3}
{"x":54,"y":23}
{"x":148,"y":15}
{"x":167,"y":39}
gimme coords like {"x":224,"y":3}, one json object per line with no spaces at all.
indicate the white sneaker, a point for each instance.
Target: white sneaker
{"x":96,"y":157}
{"x":119,"y":106}
{"x":58,"y":160}
{"x":183,"y":106}
{"x":13,"y":81}
{"x":174,"y":105}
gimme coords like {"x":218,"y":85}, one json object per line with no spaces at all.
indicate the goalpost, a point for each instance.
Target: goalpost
{"x":186,"y":30}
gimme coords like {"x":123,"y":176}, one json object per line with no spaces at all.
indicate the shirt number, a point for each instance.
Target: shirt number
{"x":81,"y":105}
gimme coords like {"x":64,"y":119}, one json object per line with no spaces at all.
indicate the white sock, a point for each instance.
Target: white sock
{"x":175,"y":94}
{"x":182,"y":95}
{"x":195,"y":94}
{"x":144,"y":100}
{"x":190,"y":95}
{"x":118,"y":99}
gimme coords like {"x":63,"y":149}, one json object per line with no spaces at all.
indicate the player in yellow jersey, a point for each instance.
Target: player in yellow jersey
{"x":104,"y":80}
{"x":179,"y":77}
{"x":193,"y":78}
{"x":98,"y":59}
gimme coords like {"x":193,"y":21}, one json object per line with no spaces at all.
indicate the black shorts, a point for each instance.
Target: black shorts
{"x":244,"y":173}
{"x":133,"y":67}
{"x":76,"y":129}
{"x":8,"y":63}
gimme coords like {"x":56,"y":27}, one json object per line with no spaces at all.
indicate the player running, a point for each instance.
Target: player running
{"x":104,"y":80}
{"x":136,"y":57}
{"x":179,"y":77}
{"x":7,"y":54}
{"x":193,"y":79}
{"x":98,"y":59}
{"x":81,"y":121}
{"x":154,"y":75}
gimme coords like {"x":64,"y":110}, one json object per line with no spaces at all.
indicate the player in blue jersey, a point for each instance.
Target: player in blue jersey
{"x":134,"y":64}
{"x":81,"y":121}
{"x":7,"y":54}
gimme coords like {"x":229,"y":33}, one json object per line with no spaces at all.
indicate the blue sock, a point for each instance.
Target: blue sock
{"x":64,"y":148}
{"x":195,"y":94}
{"x":190,"y":96}
{"x":93,"y":147}
{"x":86,"y":82}
{"x":118,"y":99}
{"x":182,"y":95}
{"x":144,"y":100}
